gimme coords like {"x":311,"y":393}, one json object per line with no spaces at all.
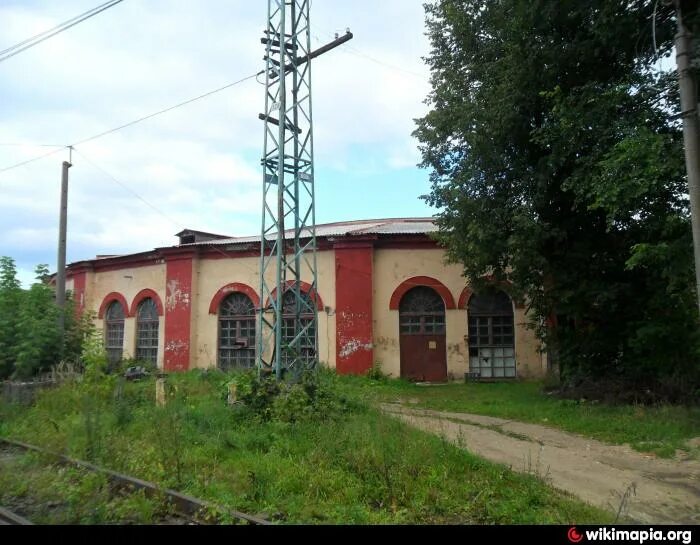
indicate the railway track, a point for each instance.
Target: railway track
{"x":8,"y":518}
{"x":187,"y":507}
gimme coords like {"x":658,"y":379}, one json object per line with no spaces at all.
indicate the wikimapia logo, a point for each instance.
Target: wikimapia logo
{"x":635,"y":536}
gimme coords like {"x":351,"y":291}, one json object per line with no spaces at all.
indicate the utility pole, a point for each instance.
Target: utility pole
{"x":691,"y":130}
{"x":288,"y":321}
{"x":62,"y":229}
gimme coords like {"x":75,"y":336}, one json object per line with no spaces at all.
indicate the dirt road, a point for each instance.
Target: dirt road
{"x":658,"y":491}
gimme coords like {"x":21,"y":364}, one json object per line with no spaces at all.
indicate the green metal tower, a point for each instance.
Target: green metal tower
{"x":288,"y":320}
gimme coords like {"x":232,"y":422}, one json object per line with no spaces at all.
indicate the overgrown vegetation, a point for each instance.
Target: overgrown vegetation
{"x":556,"y":159}
{"x":309,"y":399}
{"x":49,"y":494}
{"x":30,"y":338}
{"x":333,"y":459}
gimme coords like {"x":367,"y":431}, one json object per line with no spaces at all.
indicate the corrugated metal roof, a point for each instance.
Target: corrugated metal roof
{"x":397,"y":226}
{"x":402,"y":228}
{"x":391,"y":226}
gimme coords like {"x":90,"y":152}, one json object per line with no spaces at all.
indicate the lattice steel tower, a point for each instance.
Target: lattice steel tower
{"x":288,"y":321}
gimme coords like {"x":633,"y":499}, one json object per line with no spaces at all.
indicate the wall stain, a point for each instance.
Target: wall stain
{"x":385,"y":342}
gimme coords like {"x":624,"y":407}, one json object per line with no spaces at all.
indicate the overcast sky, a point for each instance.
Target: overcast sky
{"x":198,"y":166}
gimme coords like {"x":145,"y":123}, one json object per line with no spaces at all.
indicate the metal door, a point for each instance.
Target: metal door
{"x":422,"y":332}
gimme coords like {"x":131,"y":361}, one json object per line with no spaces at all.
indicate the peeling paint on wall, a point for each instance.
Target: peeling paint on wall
{"x":348,"y":348}
{"x":178,"y":314}
{"x":175,"y":296}
{"x":354,"y":292}
{"x":175,"y":348}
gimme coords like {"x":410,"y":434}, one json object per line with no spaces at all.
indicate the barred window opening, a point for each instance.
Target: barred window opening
{"x":299,"y":339}
{"x":422,"y":312}
{"x":114,"y":332}
{"x":236,"y":332}
{"x":147,"y":331}
{"x":492,"y":335}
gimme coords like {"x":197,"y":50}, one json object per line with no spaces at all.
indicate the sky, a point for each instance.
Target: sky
{"x":196,"y":167}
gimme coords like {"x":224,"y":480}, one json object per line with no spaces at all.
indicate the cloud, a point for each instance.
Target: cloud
{"x":197,"y":166}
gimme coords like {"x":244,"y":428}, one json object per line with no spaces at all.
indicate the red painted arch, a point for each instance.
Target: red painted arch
{"x":109,"y":298}
{"x":504,"y":286}
{"x":464,"y":298}
{"x":306,"y":288}
{"x":228,"y":290}
{"x":416,"y":281}
{"x":146,"y":294}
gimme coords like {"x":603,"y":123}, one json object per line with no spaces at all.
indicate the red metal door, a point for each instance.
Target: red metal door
{"x":423,"y":358}
{"x":422,"y":330}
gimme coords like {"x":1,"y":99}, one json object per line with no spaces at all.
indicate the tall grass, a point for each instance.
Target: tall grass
{"x":352,"y":465}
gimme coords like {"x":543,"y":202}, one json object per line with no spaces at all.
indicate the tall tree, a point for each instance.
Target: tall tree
{"x":557,"y":164}
{"x":10,"y":297}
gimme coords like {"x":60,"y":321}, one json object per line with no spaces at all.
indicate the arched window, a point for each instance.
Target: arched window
{"x":114,"y":332}
{"x":422,"y":312}
{"x":306,"y":344}
{"x":236,"y":332}
{"x":491,"y":335}
{"x":147,"y":331}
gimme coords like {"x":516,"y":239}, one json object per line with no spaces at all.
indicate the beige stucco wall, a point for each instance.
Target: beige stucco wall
{"x":129,"y":282}
{"x":391,"y":268}
{"x":213,"y":274}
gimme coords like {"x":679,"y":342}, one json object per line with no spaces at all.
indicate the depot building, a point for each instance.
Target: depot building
{"x":385,"y":297}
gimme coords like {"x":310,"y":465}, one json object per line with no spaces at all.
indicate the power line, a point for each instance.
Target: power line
{"x":124,"y":186}
{"x":156,"y":209}
{"x":354,"y":51}
{"x":4,"y":51}
{"x":139,"y":120}
{"x":21,"y":164}
{"x":43,"y":36}
{"x":359,"y":53}
{"x":189,"y":101}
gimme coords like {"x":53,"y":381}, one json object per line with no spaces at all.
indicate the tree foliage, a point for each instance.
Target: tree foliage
{"x":557,"y":164}
{"x":30,"y":338}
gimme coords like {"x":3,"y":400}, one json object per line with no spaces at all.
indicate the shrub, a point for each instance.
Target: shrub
{"x":315,"y":396}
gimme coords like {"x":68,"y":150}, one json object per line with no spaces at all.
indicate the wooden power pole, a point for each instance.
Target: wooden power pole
{"x":61,"y":267}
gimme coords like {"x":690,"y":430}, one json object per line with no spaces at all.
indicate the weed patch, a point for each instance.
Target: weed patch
{"x":314,"y":452}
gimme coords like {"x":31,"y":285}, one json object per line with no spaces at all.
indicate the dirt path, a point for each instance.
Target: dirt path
{"x":665,"y":491}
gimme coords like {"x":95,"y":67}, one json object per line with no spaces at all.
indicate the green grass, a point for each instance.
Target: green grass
{"x":50,"y":494}
{"x":661,"y":430}
{"x":358,"y":467}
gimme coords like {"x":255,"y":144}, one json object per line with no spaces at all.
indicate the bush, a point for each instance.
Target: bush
{"x":31,"y":341}
{"x":316,"y":396}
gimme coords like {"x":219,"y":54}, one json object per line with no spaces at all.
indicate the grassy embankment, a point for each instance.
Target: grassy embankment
{"x":347,"y":464}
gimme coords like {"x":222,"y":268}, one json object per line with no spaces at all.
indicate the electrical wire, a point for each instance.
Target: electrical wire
{"x":43,"y":36}
{"x":354,"y":51}
{"x":185,"y":103}
{"x":21,"y":164}
{"x":156,"y":209}
{"x":124,"y":186}
{"x":64,"y":23}
{"x":131,"y":123}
